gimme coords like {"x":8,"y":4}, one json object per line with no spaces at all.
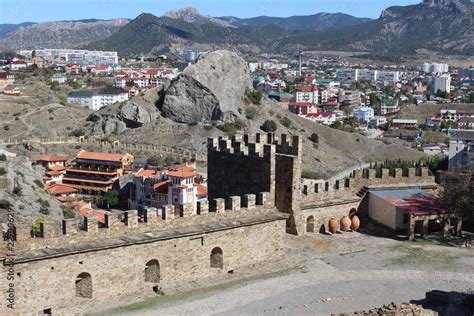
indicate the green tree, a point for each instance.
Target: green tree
{"x":269,"y":126}
{"x":286,"y":122}
{"x":458,"y":190}
{"x":112,"y":198}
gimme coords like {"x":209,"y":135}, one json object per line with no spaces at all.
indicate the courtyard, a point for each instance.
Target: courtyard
{"x":321,"y":275}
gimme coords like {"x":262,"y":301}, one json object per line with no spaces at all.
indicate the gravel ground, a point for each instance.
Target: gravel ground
{"x":343,"y":273}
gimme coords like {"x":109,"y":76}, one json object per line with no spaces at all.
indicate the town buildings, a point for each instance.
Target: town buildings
{"x":76,"y":56}
{"x":389,"y":106}
{"x":306,"y":94}
{"x":461,"y":150}
{"x":94,"y":173}
{"x":441,"y":83}
{"x":95,"y":100}
{"x":301,"y":108}
{"x":364,"y":113}
{"x":176,"y":187}
{"x":6,"y":79}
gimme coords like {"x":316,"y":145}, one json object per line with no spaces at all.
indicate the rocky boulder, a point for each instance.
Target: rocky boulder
{"x":211,"y":90}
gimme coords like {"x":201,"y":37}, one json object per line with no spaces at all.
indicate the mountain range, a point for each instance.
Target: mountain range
{"x":438,"y":25}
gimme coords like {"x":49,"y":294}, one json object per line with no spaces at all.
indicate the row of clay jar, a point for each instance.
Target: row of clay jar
{"x":346,"y":224}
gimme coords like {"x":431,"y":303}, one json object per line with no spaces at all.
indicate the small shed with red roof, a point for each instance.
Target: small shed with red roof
{"x":413,"y":212}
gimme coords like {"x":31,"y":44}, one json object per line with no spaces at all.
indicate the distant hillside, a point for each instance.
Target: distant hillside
{"x":7,"y":28}
{"x":441,"y":25}
{"x":192,"y":15}
{"x":148,"y":33}
{"x":303,"y":22}
{"x":63,"y":34}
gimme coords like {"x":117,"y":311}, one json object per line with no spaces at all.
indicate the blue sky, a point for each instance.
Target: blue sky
{"x":17,"y":11}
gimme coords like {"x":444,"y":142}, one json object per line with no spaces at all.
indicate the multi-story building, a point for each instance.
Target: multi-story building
{"x":175,"y":187}
{"x":76,"y":56}
{"x":347,"y":74}
{"x":441,"y":83}
{"x":306,"y":94}
{"x":389,"y":107}
{"x":461,"y":150}
{"x":349,"y":98}
{"x":327,"y":95}
{"x":140,"y":82}
{"x":301,"y":108}
{"x":96,"y":100}
{"x":387,"y":76}
{"x":363,"y":113}
{"x":434,"y":68}
{"x":94,"y":173}
{"x":6,"y":79}
{"x":368,"y":74}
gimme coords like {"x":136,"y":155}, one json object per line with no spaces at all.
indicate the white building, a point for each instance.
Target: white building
{"x":461,"y":149}
{"x":442,"y":83}
{"x":368,"y":74}
{"x":347,"y":74}
{"x":89,"y":57}
{"x":306,"y":94}
{"x":363,"y":113}
{"x":325,"y":118}
{"x":434,"y":68}
{"x":389,"y":106}
{"x":17,"y":64}
{"x":387,"y":76}
{"x":97,"y":100}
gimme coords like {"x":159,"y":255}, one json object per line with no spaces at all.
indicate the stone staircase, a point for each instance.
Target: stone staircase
{"x":362,"y":192}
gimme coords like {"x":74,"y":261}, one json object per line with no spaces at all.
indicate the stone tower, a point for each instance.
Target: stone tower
{"x":250,"y":164}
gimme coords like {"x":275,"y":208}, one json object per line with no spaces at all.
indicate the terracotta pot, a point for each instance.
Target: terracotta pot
{"x":355,"y":222}
{"x":333,"y":225}
{"x":345,"y":223}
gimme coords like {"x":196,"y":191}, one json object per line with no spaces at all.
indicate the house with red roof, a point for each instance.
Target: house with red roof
{"x":17,"y":64}
{"x":176,"y":187}
{"x":306,"y":93}
{"x":301,"y":108}
{"x":412,"y":212}
{"x":51,"y":161}
{"x":326,"y":118}
{"x":12,"y":90}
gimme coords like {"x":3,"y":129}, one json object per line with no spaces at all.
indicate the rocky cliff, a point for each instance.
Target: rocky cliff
{"x":62,"y":34}
{"x":211,"y":90}
{"x":135,"y":113}
{"x":22,"y":187}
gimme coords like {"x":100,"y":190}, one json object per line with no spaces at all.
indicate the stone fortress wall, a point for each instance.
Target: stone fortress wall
{"x":256,"y":196}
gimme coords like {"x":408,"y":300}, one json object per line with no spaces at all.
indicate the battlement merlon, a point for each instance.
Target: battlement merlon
{"x":260,"y":144}
{"x":91,"y":226}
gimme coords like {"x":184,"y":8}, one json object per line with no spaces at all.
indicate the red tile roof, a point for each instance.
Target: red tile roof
{"x":305,"y":88}
{"x":100,"y":156}
{"x":162,"y":186}
{"x":10,"y":88}
{"x":147,"y":173}
{"x":300,"y":104}
{"x":201,"y":190}
{"x":52,"y":158}
{"x":57,"y":168}
{"x":57,"y":189}
{"x":183,"y":172}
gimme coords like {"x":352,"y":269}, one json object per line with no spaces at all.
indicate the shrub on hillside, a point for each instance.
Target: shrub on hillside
{"x":269,"y":126}
{"x":314,"y":138}
{"x":254,"y":96}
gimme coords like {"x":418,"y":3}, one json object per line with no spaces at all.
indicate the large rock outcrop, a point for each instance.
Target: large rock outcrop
{"x":135,"y":113}
{"x":211,"y":90}
{"x":22,"y":187}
